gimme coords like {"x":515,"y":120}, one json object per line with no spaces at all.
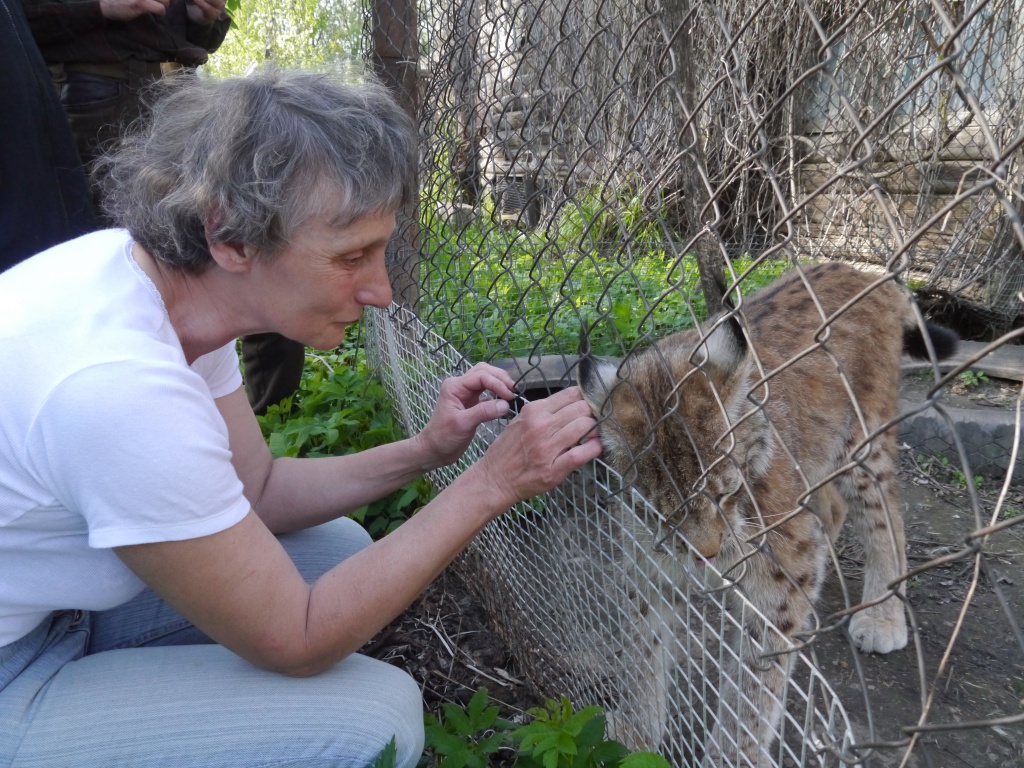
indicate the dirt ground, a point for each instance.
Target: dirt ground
{"x":983,"y":676}
{"x":446,"y":641}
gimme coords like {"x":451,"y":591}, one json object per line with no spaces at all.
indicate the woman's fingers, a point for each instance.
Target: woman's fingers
{"x":543,"y":444}
{"x":481,"y":378}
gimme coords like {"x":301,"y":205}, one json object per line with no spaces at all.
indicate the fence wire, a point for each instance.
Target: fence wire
{"x":630,"y":170}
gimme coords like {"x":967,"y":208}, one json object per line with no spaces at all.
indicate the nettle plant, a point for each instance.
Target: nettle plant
{"x":555,"y":736}
{"x":602,"y":265}
{"x":342,"y":408}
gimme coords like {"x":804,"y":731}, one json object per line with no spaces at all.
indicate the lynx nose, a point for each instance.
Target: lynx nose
{"x":707,"y":543}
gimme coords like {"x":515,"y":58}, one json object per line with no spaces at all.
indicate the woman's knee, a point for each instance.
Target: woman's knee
{"x":408,"y":725}
{"x":391,"y":707}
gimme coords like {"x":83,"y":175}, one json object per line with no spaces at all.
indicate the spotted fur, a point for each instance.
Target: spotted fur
{"x":753,"y":437}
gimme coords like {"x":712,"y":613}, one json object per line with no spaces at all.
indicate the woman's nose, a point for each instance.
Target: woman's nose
{"x":376,"y":290}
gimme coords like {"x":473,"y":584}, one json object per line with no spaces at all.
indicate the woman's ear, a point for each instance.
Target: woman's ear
{"x":233,"y":257}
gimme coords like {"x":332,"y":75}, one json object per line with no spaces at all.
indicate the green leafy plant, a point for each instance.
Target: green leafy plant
{"x":387,"y":757}
{"x":465,"y":738}
{"x":602,"y":264}
{"x":644,"y":760}
{"x":561,"y":737}
{"x":941,"y":468}
{"x":342,"y":408}
{"x":972,"y":379}
{"x":557,"y":736}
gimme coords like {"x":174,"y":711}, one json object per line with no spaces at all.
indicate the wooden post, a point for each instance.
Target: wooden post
{"x":395,"y":60}
{"x":693,"y":162}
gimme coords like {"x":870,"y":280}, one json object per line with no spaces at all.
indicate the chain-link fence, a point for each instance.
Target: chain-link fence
{"x":629,"y":170}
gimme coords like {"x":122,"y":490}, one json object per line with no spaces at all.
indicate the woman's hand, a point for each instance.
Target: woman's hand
{"x":541,"y":447}
{"x":461,"y":407}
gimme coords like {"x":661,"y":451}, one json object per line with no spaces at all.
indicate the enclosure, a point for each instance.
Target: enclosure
{"x":630,"y":170}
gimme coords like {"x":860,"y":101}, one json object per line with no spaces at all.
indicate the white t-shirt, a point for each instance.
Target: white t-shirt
{"x":107,"y":436}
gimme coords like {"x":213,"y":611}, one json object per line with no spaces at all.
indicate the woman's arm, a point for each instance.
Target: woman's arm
{"x":291,"y":494}
{"x":240,"y":587}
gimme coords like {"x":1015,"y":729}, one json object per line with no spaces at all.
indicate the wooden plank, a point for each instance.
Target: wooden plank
{"x":969,"y":143}
{"x":861,"y":217}
{"x":942,"y":178}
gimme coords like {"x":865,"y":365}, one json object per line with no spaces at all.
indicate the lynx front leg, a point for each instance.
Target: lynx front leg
{"x":870,"y":493}
{"x":641,"y":717}
{"x":757,"y":660}
{"x":749,"y":708}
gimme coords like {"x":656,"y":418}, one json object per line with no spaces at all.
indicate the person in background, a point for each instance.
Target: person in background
{"x":170,"y":595}
{"x":103,"y":56}
{"x":44,"y":197}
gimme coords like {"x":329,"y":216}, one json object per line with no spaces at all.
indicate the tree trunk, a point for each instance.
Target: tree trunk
{"x":693,"y":171}
{"x":395,"y":60}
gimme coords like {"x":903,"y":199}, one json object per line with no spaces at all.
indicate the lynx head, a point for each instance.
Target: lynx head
{"x":676,"y":421}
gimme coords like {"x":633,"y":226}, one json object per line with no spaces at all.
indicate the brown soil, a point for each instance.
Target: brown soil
{"x":973,"y":617}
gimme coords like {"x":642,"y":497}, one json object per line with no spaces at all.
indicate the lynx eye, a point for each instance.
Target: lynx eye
{"x":722,"y":498}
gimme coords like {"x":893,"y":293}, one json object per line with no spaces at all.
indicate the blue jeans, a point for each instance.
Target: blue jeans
{"x":139,"y":686}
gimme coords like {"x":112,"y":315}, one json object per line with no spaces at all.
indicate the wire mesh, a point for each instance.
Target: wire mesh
{"x":633,"y":170}
{"x":574,"y":576}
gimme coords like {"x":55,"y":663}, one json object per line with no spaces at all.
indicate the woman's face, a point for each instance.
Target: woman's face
{"x":319,"y":284}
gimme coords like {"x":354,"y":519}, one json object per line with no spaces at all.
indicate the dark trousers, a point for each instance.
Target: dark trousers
{"x":44,"y":196}
{"x":273,"y":368}
{"x":99,"y":108}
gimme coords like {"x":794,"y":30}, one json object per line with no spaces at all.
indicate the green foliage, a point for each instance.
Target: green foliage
{"x":941,"y":468}
{"x":601,"y":265}
{"x":971,"y":379}
{"x":464,"y":738}
{"x":1011,"y":511}
{"x":557,"y":736}
{"x":290,"y":33}
{"x":387,"y":757}
{"x":644,"y":760}
{"x":341,"y":408}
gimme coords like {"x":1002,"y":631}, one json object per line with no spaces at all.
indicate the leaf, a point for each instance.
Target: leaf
{"x":608,"y":753}
{"x":409,"y":495}
{"x":456,"y":720}
{"x":592,"y":733}
{"x":387,"y":757}
{"x":455,"y":760}
{"x":444,"y":743}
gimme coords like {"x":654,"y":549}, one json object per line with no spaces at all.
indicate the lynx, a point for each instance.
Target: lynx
{"x":752,"y":437}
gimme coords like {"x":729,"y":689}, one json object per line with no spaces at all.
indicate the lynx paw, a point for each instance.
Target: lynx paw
{"x":880,"y":629}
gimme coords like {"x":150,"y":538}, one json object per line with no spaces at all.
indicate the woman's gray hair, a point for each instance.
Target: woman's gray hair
{"x":250,"y":159}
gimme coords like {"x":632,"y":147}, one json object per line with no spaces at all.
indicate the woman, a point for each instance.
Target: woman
{"x":169,"y":594}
